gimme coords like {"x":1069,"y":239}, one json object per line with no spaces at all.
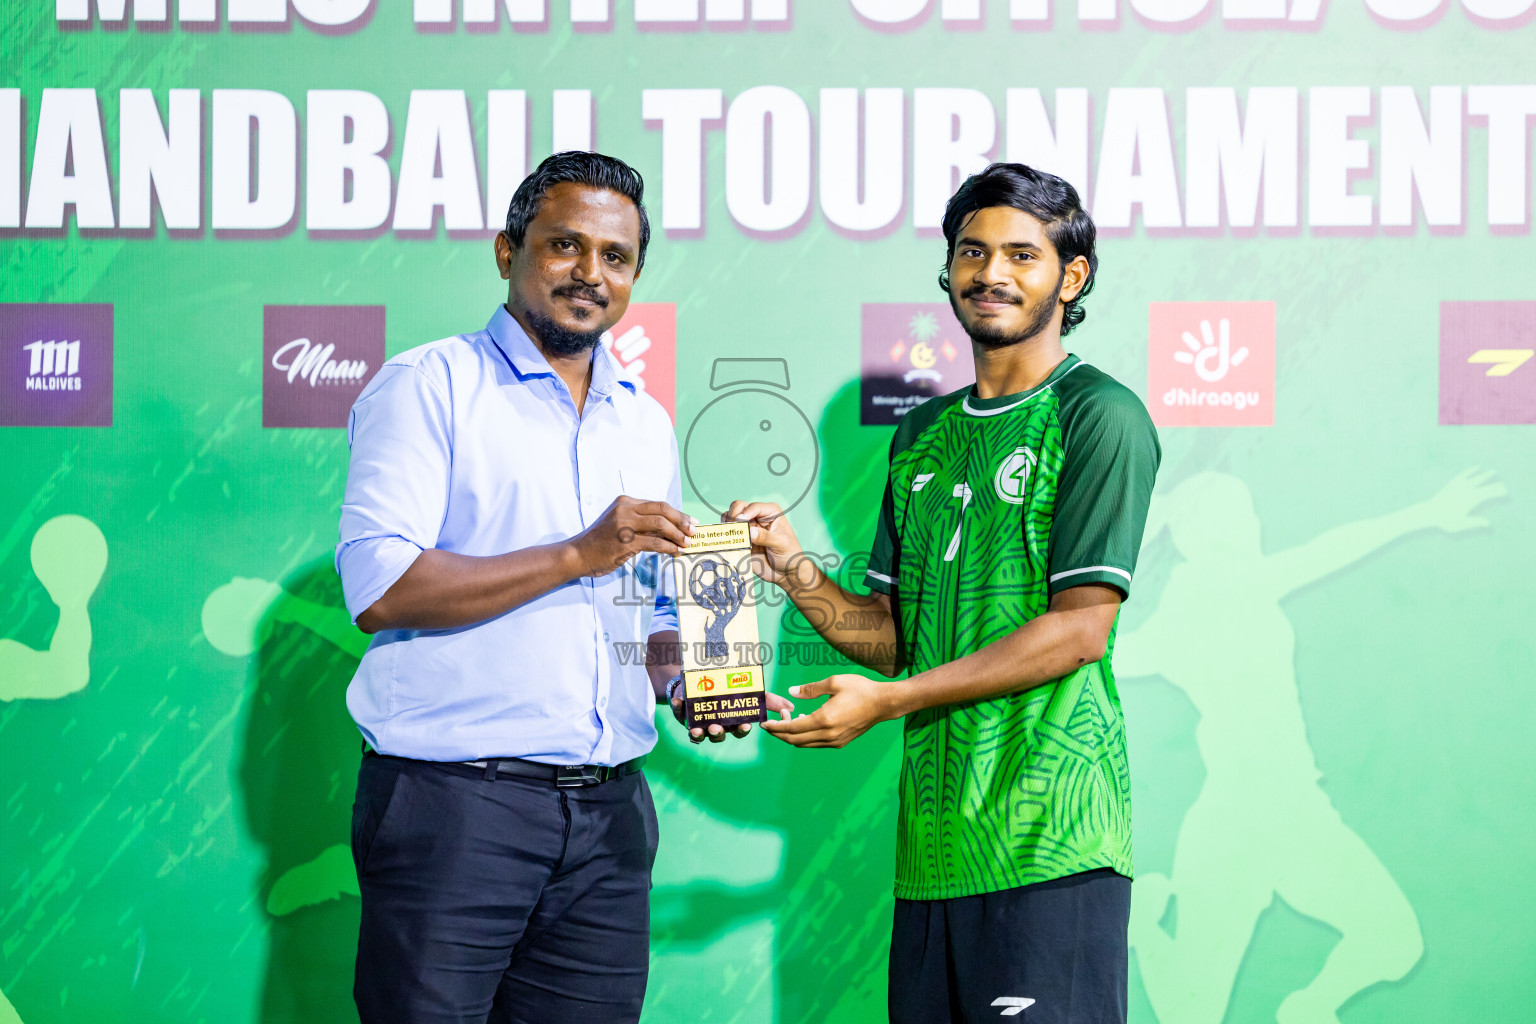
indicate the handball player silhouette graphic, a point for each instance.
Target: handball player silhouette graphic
{"x":718,"y":588}
{"x":69,"y":556}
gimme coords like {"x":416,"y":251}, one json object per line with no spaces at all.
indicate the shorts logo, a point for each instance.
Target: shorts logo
{"x":1211,"y":364}
{"x":57,"y":365}
{"x":910,"y":352}
{"x":317,"y":361}
{"x":1012,"y":478}
{"x":1486,"y":372}
{"x":645,"y":344}
{"x":1012,"y":1005}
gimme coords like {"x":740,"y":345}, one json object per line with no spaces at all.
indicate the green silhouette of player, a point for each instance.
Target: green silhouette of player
{"x":69,"y":555}
{"x":1261,"y":825}
{"x":237,"y":618}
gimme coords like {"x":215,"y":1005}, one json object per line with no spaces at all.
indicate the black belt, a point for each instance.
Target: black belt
{"x":564,"y":776}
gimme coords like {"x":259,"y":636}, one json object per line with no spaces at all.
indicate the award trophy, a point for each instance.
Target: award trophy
{"x":717,"y":623}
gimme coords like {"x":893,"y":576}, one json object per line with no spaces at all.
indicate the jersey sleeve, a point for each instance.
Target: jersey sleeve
{"x":1109,"y":465}
{"x":885,"y":551}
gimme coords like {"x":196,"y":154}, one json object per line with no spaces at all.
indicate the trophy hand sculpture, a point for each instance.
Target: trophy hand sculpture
{"x":722,"y":672}
{"x":718,"y":588}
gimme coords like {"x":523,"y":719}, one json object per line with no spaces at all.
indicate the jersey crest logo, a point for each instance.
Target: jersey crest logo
{"x":1012,"y":478}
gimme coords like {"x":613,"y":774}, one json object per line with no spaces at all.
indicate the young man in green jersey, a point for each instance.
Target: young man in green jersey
{"x":1006,"y":542}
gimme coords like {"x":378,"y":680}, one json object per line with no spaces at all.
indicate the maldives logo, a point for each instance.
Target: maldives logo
{"x":316,"y":360}
{"x":1486,"y":371}
{"x":645,"y":344}
{"x":909,"y":352}
{"x":1211,"y":364}
{"x":57,"y":364}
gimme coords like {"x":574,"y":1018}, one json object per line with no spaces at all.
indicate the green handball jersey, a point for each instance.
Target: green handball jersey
{"x":992,"y":506}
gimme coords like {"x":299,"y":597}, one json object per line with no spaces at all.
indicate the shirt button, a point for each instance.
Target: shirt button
{"x":605,"y":635}
{"x":602,"y":702}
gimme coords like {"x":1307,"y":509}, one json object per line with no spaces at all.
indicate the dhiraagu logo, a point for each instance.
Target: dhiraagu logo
{"x":1211,"y":364}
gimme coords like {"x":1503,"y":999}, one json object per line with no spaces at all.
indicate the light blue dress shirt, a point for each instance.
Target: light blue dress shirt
{"x":472,"y":444}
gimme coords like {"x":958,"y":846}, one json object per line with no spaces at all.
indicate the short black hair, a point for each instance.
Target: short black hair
{"x":1049,"y":199}
{"x":593,"y":169}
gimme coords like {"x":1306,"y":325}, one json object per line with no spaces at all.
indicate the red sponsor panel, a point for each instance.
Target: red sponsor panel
{"x":1211,"y":364}
{"x":645,"y":344}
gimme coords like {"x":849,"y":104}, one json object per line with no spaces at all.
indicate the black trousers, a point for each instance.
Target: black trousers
{"x":1049,"y":953}
{"x":505,"y":900}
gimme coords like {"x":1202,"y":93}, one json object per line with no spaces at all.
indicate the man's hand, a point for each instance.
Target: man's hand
{"x":627,"y":527}
{"x":775,"y":548}
{"x":857,"y":704}
{"x":717,"y":733}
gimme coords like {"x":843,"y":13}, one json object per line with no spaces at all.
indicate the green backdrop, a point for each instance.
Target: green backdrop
{"x":1328,"y":590}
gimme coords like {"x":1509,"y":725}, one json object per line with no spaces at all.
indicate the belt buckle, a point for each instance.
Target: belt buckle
{"x":574,"y":776}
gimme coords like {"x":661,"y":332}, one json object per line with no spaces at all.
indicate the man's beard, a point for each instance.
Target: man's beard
{"x":989,"y":336}
{"x":558,"y":340}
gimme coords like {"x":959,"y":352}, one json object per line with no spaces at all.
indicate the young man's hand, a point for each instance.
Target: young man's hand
{"x":775,"y":547}
{"x":857,"y":704}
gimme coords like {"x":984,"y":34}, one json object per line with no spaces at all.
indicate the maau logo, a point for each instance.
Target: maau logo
{"x":1211,"y":364}
{"x":59,"y":365}
{"x":318,"y":358}
{"x":645,"y":344}
{"x":1486,"y":371}
{"x":910,"y":352}
{"x":302,"y":360}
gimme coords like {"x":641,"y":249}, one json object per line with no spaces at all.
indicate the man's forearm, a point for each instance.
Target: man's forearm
{"x":861,"y":628}
{"x":1042,"y":650}
{"x":445,"y":590}
{"x":663,"y":661}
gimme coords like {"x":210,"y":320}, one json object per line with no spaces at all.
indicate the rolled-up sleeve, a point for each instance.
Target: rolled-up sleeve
{"x":665,"y":615}
{"x":400,"y":432}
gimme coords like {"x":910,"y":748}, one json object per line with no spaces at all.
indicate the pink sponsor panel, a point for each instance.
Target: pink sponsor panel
{"x":1211,"y":364}
{"x":55,"y":364}
{"x":1487,"y":374}
{"x":909,"y":353}
{"x":316,"y":360}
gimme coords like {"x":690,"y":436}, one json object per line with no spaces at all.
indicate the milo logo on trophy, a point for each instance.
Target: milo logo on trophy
{"x":722,"y":677}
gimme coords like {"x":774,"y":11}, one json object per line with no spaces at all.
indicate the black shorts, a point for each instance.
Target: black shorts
{"x":1049,"y":953}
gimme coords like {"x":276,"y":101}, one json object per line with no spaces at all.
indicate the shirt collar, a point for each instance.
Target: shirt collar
{"x":527,"y":361}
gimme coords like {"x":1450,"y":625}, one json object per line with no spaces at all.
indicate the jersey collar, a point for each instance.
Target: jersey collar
{"x":1002,"y":403}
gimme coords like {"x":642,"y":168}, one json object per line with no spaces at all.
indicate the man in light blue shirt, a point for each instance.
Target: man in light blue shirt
{"x":510,"y":512}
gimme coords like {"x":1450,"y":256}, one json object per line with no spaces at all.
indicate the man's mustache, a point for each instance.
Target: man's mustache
{"x":581,"y":291}
{"x":992,"y":295}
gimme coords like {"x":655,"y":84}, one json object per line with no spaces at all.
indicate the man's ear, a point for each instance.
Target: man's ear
{"x":503,"y":248}
{"x":1073,"y":278}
